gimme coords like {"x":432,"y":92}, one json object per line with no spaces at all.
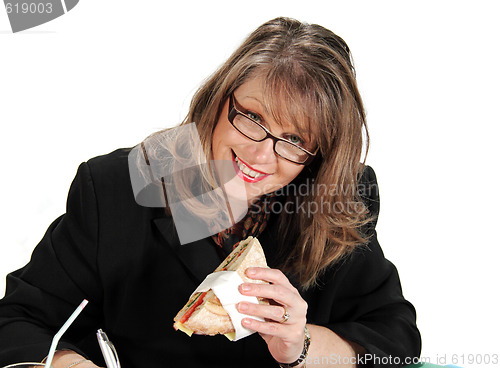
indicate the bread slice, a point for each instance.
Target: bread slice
{"x":203,"y":314}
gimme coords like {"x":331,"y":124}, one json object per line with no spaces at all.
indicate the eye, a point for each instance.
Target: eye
{"x":295,"y":139}
{"x":254,"y":116}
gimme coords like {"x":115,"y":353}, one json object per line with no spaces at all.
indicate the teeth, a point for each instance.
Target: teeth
{"x":246,"y":170}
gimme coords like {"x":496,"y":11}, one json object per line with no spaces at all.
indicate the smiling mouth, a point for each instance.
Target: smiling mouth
{"x":245,"y":172}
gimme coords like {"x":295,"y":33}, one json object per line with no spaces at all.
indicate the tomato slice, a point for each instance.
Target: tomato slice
{"x":191,"y":309}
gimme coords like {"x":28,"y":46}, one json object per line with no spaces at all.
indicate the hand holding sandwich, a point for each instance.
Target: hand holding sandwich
{"x":285,"y":339}
{"x":267,"y":295}
{"x":277,"y":303}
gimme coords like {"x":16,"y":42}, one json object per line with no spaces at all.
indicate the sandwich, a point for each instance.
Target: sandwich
{"x":204,"y":314}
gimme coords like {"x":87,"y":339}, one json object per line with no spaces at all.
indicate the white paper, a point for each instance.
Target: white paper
{"x":225,"y":286}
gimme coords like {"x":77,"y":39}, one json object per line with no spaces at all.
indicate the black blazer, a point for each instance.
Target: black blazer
{"x":127,"y":261}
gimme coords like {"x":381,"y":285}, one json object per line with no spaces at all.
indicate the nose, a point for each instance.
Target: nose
{"x":263,"y":151}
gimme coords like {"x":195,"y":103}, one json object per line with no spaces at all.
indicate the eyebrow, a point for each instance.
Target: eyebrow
{"x":259,"y":102}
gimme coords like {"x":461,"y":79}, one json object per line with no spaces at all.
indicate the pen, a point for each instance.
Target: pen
{"x":108,"y":350}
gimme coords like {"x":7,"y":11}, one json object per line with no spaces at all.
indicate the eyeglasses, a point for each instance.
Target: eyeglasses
{"x":258,"y":133}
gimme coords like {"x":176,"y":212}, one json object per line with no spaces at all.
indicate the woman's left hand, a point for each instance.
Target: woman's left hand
{"x":285,"y":339}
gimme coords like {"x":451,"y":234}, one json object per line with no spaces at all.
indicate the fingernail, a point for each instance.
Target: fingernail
{"x":246,"y":287}
{"x":251,"y":272}
{"x":246,"y":322}
{"x":243,"y":307}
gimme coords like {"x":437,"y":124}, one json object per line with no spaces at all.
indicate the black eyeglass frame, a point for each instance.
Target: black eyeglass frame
{"x":233,"y":111}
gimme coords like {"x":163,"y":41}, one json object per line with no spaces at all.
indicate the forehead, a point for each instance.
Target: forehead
{"x":284,"y":105}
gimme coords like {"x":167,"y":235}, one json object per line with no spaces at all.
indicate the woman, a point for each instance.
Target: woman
{"x":286,"y":112}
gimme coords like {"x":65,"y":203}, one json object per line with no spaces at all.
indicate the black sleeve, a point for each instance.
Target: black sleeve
{"x":62,"y":272}
{"x":361,"y":299}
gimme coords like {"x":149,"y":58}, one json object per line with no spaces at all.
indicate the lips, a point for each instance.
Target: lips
{"x":246,"y":172}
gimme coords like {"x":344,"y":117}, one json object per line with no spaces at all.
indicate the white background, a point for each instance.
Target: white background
{"x":110,"y":72}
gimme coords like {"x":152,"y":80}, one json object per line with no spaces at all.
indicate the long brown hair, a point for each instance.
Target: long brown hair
{"x":309,"y":70}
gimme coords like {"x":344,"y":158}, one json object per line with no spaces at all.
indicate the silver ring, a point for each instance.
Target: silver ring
{"x":286,"y":316}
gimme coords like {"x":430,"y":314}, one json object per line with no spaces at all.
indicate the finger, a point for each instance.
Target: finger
{"x":269,"y":312}
{"x":266,"y":328}
{"x":289,"y":334}
{"x":279,"y":293}
{"x":271,"y":275}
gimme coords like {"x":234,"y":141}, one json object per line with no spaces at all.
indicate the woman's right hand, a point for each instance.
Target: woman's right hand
{"x":64,"y":358}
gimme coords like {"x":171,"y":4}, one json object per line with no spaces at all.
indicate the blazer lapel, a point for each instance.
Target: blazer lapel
{"x":200,"y":257}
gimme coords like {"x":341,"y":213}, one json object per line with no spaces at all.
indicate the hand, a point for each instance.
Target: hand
{"x":285,"y":341}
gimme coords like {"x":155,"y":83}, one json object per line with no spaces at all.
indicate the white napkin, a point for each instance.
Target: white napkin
{"x":225,"y":286}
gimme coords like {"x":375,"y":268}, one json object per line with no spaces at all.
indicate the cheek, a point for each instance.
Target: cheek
{"x":225,"y":134}
{"x":219,"y":140}
{"x":289,"y":172}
